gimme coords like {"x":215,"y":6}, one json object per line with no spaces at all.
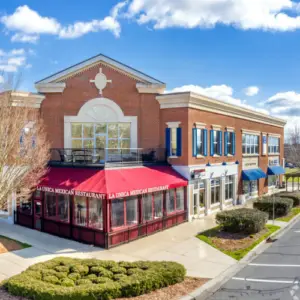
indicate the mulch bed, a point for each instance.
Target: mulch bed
{"x":235,"y":241}
{"x":172,"y":292}
{"x":7,"y":245}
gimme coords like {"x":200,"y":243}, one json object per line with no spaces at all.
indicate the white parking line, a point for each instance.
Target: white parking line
{"x":274,"y":265}
{"x":262,"y":280}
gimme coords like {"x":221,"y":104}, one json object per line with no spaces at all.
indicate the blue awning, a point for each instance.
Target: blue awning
{"x":253,"y":174}
{"x":277,"y":170}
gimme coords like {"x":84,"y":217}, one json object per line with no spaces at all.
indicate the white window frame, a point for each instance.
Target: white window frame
{"x":173,"y":134}
{"x":229,"y":181}
{"x":273,"y":143}
{"x":214,"y":187}
{"x":250,"y":142}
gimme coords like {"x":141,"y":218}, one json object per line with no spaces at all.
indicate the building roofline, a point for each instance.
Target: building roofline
{"x":201,"y":102}
{"x":94,"y":59}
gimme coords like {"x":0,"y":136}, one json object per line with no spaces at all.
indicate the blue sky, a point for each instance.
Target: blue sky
{"x":215,"y":47}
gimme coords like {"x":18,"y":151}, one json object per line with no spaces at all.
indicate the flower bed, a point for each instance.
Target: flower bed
{"x":67,"y":278}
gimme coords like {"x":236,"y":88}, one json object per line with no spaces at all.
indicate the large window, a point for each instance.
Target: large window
{"x":229,"y":187}
{"x":80,"y":211}
{"x":118,"y":209}
{"x":250,"y":188}
{"x":90,"y":135}
{"x":229,"y":143}
{"x":273,"y":145}
{"x":215,"y":191}
{"x":215,"y":142}
{"x":199,"y":196}
{"x":57,"y":207}
{"x":250,"y":144}
{"x":199,"y":142}
{"x":272,"y":180}
{"x":173,"y":139}
{"x":175,"y":200}
{"x":95,"y":213}
{"x":152,"y":206}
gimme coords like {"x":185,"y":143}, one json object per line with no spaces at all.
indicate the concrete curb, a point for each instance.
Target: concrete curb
{"x":209,"y":288}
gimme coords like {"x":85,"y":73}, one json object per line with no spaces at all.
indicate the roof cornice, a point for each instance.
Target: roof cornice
{"x":58,"y":87}
{"x":144,"y":88}
{"x":196,"y":101}
{"x":25,"y":99}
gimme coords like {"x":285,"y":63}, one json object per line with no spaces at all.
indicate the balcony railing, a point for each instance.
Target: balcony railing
{"x":106,"y":156}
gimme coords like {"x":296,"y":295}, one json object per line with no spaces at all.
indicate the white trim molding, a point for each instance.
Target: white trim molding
{"x":173,"y":124}
{"x":25,"y":99}
{"x":230,"y":129}
{"x":100,"y":110}
{"x":50,"y":87}
{"x":200,"y":102}
{"x":253,"y":132}
{"x":144,"y":88}
{"x":274,"y":135}
{"x":216,"y":127}
{"x":199,"y":125}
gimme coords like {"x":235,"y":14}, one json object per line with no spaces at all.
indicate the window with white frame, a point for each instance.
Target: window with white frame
{"x":250,"y":188}
{"x":173,"y":141}
{"x":100,"y":135}
{"x":200,"y":142}
{"x":250,"y":144}
{"x":215,"y":191}
{"x":230,"y":146}
{"x":273,"y":145}
{"x":229,"y":187}
{"x":216,"y":142}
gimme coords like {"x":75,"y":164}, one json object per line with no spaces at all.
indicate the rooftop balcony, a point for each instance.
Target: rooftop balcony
{"x":106,"y":157}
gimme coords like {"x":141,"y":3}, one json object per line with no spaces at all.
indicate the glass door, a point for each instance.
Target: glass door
{"x":38,"y":209}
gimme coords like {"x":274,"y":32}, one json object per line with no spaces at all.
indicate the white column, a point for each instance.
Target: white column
{"x":207,"y":197}
{"x":235,"y":190}
{"x":190,"y":200}
{"x":222,"y":194}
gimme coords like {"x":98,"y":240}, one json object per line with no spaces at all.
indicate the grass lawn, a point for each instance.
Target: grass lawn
{"x":236,"y":245}
{"x":294,"y":212}
{"x":7,"y":245}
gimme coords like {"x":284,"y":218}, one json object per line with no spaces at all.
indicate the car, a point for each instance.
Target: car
{"x":289,"y":165}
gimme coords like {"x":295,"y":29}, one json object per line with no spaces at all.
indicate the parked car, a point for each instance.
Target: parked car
{"x":289,"y":165}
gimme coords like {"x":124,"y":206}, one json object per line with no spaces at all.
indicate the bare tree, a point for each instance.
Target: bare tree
{"x":24,"y":150}
{"x":292,"y":148}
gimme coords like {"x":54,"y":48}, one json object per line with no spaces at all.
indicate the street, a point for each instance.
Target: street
{"x":272,"y":275}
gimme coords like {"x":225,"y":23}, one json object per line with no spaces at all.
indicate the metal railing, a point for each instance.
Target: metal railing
{"x":106,"y":156}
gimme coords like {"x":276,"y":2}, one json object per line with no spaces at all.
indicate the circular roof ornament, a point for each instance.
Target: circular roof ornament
{"x":100,"y":81}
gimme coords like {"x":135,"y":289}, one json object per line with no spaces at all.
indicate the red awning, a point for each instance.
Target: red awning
{"x":111,"y":183}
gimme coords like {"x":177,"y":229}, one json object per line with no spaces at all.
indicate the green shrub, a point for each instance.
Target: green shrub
{"x":291,"y":195}
{"x":85,"y":280}
{"x":242,"y":220}
{"x":282,"y":206}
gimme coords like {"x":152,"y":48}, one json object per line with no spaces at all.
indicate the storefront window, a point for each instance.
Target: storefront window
{"x":63,"y":208}
{"x":170,"y":200}
{"x":147,"y":207}
{"x":180,"y":198}
{"x":250,"y":188}
{"x":117,"y":213}
{"x":131,"y":210}
{"x":158,"y":204}
{"x":229,"y":187}
{"x":215,"y":191}
{"x":95,"y":213}
{"x":272,"y":180}
{"x":50,"y":202}
{"x":25,"y":206}
{"x":80,"y":211}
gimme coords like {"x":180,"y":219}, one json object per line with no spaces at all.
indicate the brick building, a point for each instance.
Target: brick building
{"x":128,"y":160}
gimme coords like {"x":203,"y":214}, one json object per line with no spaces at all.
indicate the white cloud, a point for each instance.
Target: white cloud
{"x":28,"y":66}
{"x":28,"y":25}
{"x":17,"y":61}
{"x":8,"y":68}
{"x":251,"y":91}
{"x":25,"y":38}
{"x":11,"y":61}
{"x":274,"y":15}
{"x":17,"y":52}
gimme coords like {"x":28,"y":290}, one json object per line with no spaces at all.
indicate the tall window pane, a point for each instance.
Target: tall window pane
{"x":80,"y":211}
{"x":124,"y":130}
{"x":113,"y":130}
{"x":50,"y":200}
{"x":117,"y":213}
{"x":158,"y":204}
{"x":216,"y":150}
{"x":180,"y":198}
{"x":199,"y":142}
{"x":170,"y":200}
{"x":131,"y":210}
{"x":76,"y":129}
{"x":101,"y":128}
{"x":88,"y":130}
{"x":63,"y":208}
{"x":174,"y":141}
{"x":229,"y":187}
{"x":147,"y":207}
{"x":215,"y":191}
{"x":95,"y":213}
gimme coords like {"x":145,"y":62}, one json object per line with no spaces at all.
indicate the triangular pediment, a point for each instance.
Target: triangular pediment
{"x":96,"y":60}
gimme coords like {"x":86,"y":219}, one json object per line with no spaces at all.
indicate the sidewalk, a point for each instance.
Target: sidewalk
{"x":175,"y":244}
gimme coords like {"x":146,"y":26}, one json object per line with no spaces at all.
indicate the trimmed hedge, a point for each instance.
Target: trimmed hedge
{"x":291,"y":195}
{"x":242,"y":220}
{"x":90,"y":279}
{"x":282,"y":206}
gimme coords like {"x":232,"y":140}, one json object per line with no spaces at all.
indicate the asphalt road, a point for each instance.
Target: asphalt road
{"x":273,"y":275}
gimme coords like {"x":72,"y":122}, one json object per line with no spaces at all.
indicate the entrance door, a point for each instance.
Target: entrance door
{"x":38,"y":208}
{"x":196,"y":204}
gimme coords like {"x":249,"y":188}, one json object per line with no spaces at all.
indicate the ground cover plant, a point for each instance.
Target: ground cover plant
{"x":68,"y":278}
{"x":282,"y":206}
